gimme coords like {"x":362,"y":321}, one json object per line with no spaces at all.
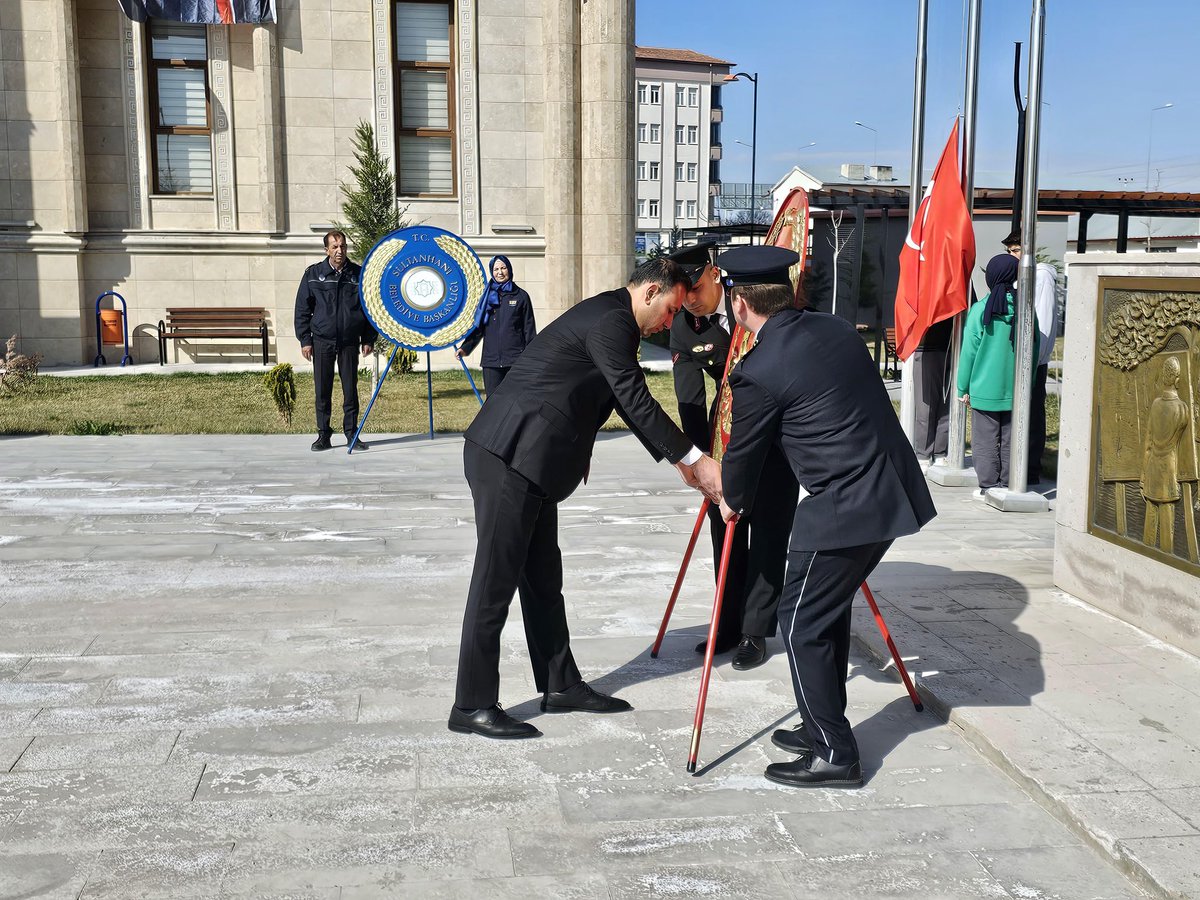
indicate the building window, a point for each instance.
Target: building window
{"x":679,"y":209}
{"x":691,"y":171}
{"x":679,"y":96}
{"x":692,"y":134}
{"x":693,"y":96}
{"x":691,"y":209}
{"x":679,"y":171}
{"x":180,"y":121}
{"x":654,"y":171}
{"x":656,"y":93}
{"x":655,"y":134}
{"x":642,"y":209}
{"x":679,"y":134}
{"x":642,"y":133}
{"x":653,"y":209}
{"x":641,"y":93}
{"x":424,"y":88}
{"x":641,"y":171}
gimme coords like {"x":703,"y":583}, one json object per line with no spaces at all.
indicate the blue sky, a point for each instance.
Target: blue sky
{"x":825,"y":63}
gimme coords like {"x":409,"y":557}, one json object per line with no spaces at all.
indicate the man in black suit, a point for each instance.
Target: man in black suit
{"x":809,"y":386}
{"x":700,"y":338}
{"x":527,"y":451}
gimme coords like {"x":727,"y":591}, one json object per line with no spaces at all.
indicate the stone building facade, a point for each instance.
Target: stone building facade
{"x":186,"y":165}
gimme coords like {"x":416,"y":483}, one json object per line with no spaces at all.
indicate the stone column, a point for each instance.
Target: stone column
{"x":608,"y":151}
{"x":270,"y":132}
{"x":561,"y":151}
{"x":69,"y":114}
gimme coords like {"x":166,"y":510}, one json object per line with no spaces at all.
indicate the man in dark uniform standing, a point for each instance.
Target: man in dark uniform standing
{"x":700,"y":338}
{"x":527,"y":450}
{"x":331,"y":327}
{"x":809,"y":386}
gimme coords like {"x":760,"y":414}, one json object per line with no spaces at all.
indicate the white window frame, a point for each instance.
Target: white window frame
{"x":693,"y":96}
{"x":691,"y":209}
{"x":656,"y":93}
{"x":679,"y":95}
{"x":653,"y":206}
{"x":654,"y":167}
{"x":679,"y":171}
{"x":691,"y":171}
{"x":641,"y":209}
{"x":641,"y":132}
{"x":641,"y":170}
{"x":655,"y":133}
{"x":693,"y":134}
{"x":641,"y":93}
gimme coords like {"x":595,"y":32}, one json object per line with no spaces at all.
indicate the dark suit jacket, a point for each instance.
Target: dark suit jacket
{"x":810,"y":386}
{"x":697,"y":347}
{"x":543,"y":418}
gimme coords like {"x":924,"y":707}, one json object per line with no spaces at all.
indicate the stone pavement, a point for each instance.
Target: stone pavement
{"x":226,"y":664}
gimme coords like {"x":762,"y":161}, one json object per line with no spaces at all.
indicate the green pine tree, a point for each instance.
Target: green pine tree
{"x":371,"y":212}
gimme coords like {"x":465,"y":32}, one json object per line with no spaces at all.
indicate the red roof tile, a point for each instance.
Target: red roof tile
{"x":666,"y":54}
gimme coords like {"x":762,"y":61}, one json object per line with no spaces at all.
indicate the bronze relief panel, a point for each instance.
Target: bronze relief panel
{"x":1145,"y":472}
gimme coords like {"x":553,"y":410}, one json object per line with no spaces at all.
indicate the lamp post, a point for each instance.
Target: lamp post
{"x":753,"y":79}
{"x":875,"y":149}
{"x":1149,"y":147}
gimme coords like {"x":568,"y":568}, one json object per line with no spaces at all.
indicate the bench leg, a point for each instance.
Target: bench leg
{"x":264,"y":342}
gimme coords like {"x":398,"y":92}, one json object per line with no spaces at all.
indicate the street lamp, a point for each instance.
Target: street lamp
{"x":753,"y":79}
{"x":1150,"y":139}
{"x":875,"y":150}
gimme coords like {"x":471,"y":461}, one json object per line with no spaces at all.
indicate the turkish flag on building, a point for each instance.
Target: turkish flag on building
{"x":938,"y":254}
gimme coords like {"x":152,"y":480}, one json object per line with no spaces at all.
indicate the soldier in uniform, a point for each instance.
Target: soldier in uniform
{"x":700,"y":338}
{"x":809,"y":386}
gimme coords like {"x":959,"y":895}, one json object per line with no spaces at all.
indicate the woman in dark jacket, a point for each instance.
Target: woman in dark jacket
{"x":507,"y":325}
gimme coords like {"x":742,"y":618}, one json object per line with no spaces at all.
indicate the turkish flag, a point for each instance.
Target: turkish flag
{"x":938,"y":254}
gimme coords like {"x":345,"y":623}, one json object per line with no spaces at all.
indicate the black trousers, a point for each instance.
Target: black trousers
{"x":517,"y":551}
{"x":931,"y":435}
{"x":991,"y":433}
{"x":814,"y":621}
{"x":758,"y":558}
{"x":1037,"y":424}
{"x":325,"y":355}
{"x":492,"y":376}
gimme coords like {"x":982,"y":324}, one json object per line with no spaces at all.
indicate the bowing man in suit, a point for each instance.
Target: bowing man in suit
{"x":527,"y":450}
{"x":700,"y":338}
{"x":809,"y":386}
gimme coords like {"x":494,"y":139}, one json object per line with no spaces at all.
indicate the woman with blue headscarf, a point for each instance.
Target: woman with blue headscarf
{"x":507,"y":325}
{"x":985,"y":371}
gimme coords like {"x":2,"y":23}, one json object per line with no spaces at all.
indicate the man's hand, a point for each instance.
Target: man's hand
{"x":458,"y":353}
{"x":306,"y":352}
{"x":727,"y":512}
{"x":704,"y":476}
{"x":366,"y":349}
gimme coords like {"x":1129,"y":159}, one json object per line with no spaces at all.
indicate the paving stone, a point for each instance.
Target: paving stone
{"x":51,"y":875}
{"x":711,"y":880}
{"x":182,"y":871}
{"x":77,"y":751}
{"x":63,"y":787}
{"x":1174,"y":861}
{"x":209,"y":714}
{"x":854,"y":874}
{"x":11,"y":750}
{"x":561,"y":887}
{"x":1118,"y":815}
{"x":1039,"y":872}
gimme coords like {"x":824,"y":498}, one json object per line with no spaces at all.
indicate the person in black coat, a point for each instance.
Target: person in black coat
{"x":506,"y":328}
{"x":331,"y":327}
{"x":527,"y":450}
{"x":700,"y":338}
{"x":809,"y":386}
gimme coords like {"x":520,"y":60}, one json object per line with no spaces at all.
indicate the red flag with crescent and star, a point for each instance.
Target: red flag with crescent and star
{"x":938,"y":254}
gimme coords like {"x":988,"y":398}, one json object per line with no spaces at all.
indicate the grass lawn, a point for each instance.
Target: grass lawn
{"x":238,"y":403}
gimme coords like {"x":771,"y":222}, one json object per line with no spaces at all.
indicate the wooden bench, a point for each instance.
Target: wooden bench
{"x":890,"y":354}
{"x":219,"y":322}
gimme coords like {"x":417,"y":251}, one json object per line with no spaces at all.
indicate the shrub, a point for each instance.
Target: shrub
{"x":18,"y":370}
{"x":280,"y":383}
{"x":92,"y":427}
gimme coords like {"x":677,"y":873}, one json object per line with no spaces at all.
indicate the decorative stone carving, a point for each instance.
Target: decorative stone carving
{"x":1147,"y":419}
{"x":132,"y":120}
{"x":222,"y":127}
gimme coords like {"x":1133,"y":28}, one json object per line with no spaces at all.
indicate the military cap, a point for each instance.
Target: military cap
{"x":693,"y":259}
{"x":757,"y":265}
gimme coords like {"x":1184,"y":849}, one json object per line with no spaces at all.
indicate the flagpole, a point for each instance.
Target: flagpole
{"x":908,"y":394}
{"x":956,"y":455}
{"x":1017,"y":498}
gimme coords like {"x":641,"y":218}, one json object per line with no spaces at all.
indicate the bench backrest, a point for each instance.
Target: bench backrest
{"x":217,"y":317}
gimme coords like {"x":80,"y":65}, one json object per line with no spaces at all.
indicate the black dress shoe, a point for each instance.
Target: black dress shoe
{"x":812,"y":771}
{"x":793,"y":740}
{"x":358,"y":445}
{"x":322,"y":443}
{"x":724,"y":645}
{"x":751,"y":652}
{"x":582,"y":698}
{"x":491,"y":721}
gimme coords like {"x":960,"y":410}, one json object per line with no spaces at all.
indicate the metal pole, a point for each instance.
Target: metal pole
{"x":1018,"y":472}
{"x":908,"y":397}
{"x":957,"y":441}
{"x":753,"y":153}
{"x":429,"y":389}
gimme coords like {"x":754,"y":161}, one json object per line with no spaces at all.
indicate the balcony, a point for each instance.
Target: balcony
{"x":718,"y":114}
{"x":714,"y":152}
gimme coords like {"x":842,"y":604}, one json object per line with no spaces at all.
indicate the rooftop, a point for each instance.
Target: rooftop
{"x":667,"y":54}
